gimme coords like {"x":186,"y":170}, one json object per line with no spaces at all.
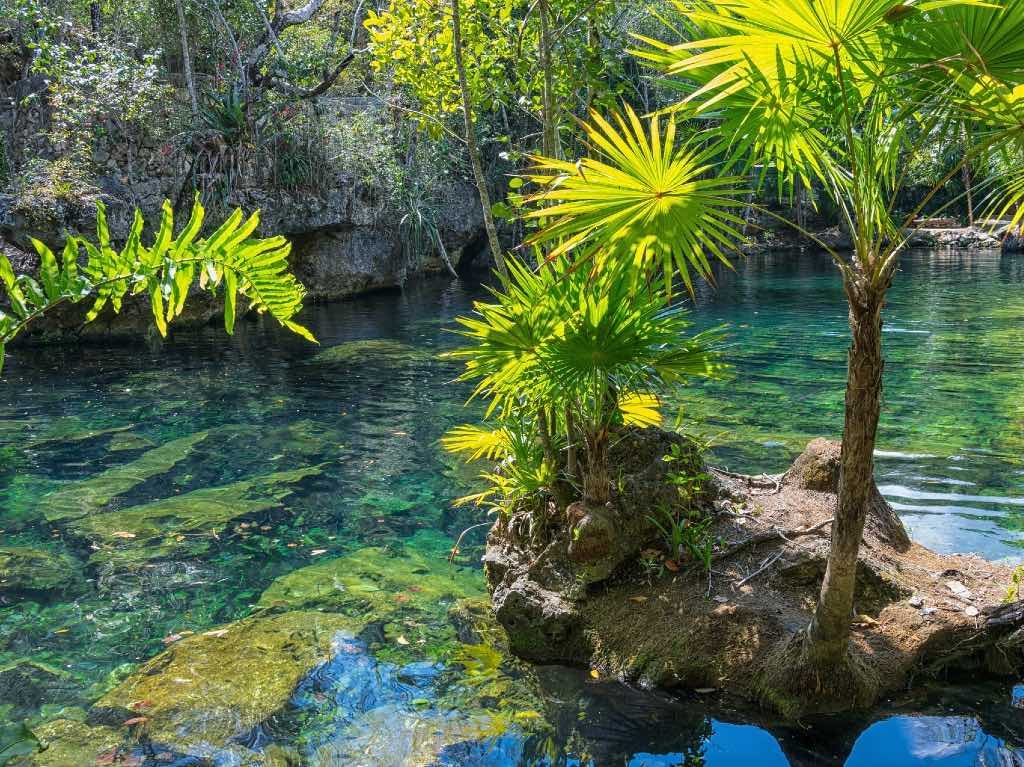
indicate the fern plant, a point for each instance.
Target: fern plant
{"x":230,"y":258}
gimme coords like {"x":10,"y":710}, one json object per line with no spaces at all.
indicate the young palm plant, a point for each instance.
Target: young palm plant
{"x":824,"y":92}
{"x":578,"y":353}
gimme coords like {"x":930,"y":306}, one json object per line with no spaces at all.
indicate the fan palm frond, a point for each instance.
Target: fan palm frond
{"x":642,"y":198}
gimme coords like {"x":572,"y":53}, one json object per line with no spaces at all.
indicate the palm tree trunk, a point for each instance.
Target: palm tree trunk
{"x":186,"y":58}
{"x":597,"y":486}
{"x":471,"y":145}
{"x":829,"y":631}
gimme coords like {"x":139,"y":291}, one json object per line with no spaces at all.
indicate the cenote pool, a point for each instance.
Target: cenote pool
{"x":279,"y":516}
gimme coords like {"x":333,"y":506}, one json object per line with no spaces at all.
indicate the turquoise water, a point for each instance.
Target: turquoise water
{"x":187,"y":485}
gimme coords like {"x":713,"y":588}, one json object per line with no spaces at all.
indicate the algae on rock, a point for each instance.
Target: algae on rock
{"x":213,"y":687}
{"x":406,"y":593}
{"x":372,"y":350}
{"x":35,"y":570}
{"x":182,"y":523}
{"x":69,"y":743}
{"x":378,"y":581}
{"x":80,"y":499}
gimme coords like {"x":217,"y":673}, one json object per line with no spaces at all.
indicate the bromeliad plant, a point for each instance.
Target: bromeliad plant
{"x":565,"y":355}
{"x":230,"y":258}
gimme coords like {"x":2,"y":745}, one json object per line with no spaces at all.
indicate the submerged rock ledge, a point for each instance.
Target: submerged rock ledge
{"x":918,"y":613}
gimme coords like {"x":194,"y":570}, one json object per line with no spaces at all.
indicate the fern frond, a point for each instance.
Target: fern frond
{"x":230,"y":259}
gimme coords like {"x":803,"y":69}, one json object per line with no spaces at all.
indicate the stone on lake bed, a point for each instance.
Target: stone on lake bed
{"x":89,"y":496}
{"x":70,"y":743}
{"x":34,"y":570}
{"x":182,"y":523}
{"x":371,"y":350}
{"x":210,"y":688}
{"x":378,"y":580}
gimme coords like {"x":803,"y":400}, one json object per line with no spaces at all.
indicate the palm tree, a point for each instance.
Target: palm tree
{"x":571,"y":355}
{"x":842,"y":93}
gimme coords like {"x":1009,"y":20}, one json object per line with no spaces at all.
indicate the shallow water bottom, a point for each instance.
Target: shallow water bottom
{"x":183,"y":487}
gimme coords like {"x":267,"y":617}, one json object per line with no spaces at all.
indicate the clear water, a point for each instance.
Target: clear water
{"x":333,"y":458}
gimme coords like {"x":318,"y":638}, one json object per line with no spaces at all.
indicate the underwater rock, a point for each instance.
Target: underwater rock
{"x":69,"y":743}
{"x":378,"y":581}
{"x":404,"y":593}
{"x":182,"y":524}
{"x":674,"y":627}
{"x":37,"y":571}
{"x":80,"y":499}
{"x":370,"y":350}
{"x":211,"y":688}
{"x":27,"y":684}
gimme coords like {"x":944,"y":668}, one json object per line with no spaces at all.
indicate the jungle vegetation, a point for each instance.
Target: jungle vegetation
{"x":622,"y":149}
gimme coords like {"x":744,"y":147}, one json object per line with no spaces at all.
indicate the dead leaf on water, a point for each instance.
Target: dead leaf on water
{"x":402,"y":640}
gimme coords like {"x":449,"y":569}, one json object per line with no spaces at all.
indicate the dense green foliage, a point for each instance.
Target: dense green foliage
{"x":253,"y":268}
{"x":564,"y":356}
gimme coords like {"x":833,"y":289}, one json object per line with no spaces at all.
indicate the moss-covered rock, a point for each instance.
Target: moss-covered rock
{"x":208,"y":689}
{"x":403,"y":594}
{"x":80,"y":499}
{"x":37,"y":571}
{"x":381,"y":350}
{"x":70,"y":743}
{"x":379,"y":581}
{"x":27,"y":684}
{"x":182,"y":524}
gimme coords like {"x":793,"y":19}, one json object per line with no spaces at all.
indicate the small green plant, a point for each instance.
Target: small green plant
{"x":686,"y":531}
{"x":1013,"y":592}
{"x":698,"y":541}
{"x":520,"y":473}
{"x":227,"y":115}
{"x":672,"y":526}
{"x":684,"y":527}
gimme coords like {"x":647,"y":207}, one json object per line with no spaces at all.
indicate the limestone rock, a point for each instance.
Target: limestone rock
{"x":216,"y":686}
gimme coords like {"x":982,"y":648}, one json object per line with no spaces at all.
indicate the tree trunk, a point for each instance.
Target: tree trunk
{"x":597,"y":485}
{"x":550,"y":134}
{"x":94,"y":17}
{"x":474,"y":151}
{"x":186,"y":58}
{"x":829,"y":631}
{"x":966,"y":170}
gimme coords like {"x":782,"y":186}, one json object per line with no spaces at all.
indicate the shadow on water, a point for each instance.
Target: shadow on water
{"x":207,"y":469}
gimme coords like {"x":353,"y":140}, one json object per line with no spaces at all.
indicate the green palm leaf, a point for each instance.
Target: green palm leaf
{"x":642,"y":199}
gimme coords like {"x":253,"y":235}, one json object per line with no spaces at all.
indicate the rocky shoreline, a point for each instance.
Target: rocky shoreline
{"x":677,"y":627}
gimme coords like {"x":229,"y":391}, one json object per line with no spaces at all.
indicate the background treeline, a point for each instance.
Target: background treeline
{"x":101,"y":97}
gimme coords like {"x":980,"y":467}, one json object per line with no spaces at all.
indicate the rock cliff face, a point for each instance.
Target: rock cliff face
{"x":348,"y":236}
{"x":345,"y":241}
